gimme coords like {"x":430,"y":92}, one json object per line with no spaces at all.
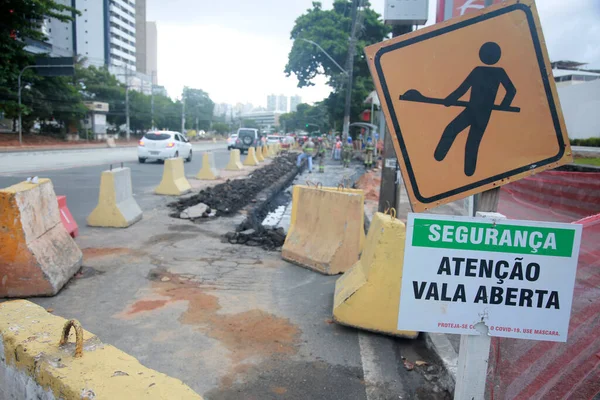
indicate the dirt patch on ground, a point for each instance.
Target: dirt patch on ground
{"x":370,"y":183}
{"x":98,"y":252}
{"x":247,"y":334}
{"x":233,"y":195}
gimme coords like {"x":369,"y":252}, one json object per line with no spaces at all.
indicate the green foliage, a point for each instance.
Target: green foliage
{"x":20,"y":20}
{"x":198,"y":109}
{"x":221,"y":127}
{"x":306,"y":118}
{"x":590,"y":142}
{"x":331,"y":30}
{"x":98,"y":84}
{"x":588,"y":161}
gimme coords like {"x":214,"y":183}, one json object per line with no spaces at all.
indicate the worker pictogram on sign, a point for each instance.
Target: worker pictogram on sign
{"x":484,"y":83}
{"x":471,"y":103}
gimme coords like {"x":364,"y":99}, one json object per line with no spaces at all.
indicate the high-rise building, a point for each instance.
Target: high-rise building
{"x":271,"y":102}
{"x":121,"y":32}
{"x":60,"y":40}
{"x":151,"y":51}
{"x":294,"y":101}
{"x":282,"y":103}
{"x":140,"y":36}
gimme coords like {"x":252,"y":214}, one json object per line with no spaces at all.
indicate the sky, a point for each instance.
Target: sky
{"x":236,"y":50}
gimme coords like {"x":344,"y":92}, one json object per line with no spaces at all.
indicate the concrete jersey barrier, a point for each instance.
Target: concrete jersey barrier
{"x":116,"y":206}
{"x":33,"y":365}
{"x":251,"y":160}
{"x":208,"y":170}
{"x":234,"y":161}
{"x":37,"y":254}
{"x":259,"y":155}
{"x":326,"y":229}
{"x":174,"y":182}
{"x":368,"y":295}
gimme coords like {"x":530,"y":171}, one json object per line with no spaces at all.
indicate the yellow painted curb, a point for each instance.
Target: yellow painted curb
{"x":208,"y":171}
{"x":326,"y":229}
{"x":174,"y":182}
{"x":116,"y":206}
{"x":251,"y":160}
{"x":37,"y":254}
{"x":234,"y":161}
{"x":259,"y":155}
{"x":30,"y":338}
{"x":368,"y":295}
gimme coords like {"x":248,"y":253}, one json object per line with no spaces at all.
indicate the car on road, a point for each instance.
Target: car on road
{"x":161,"y":145}
{"x":273,"y":139}
{"x":231,"y":141}
{"x":247,"y":137}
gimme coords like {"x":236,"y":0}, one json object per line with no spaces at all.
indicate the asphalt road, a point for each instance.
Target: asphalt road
{"x":230,"y":321}
{"x":81,"y":183}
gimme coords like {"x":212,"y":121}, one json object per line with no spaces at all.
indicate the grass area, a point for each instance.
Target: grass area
{"x":588,"y":161}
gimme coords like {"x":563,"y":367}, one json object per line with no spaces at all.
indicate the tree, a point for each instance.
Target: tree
{"x":20,"y":20}
{"x":331,"y":30}
{"x":98,"y":84}
{"x":307,"y":118}
{"x":221,"y":127}
{"x":198,"y":109}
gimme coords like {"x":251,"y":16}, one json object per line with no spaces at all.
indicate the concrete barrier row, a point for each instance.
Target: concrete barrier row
{"x":35,"y":364}
{"x":329,"y":239}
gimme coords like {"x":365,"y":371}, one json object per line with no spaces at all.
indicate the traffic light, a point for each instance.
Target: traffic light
{"x":306,"y":125}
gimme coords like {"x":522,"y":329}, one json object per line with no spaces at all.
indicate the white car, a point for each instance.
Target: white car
{"x":231,"y":141}
{"x":161,"y":145}
{"x":273,"y":139}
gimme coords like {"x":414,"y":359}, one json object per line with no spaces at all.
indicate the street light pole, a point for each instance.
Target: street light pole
{"x":19,"y":92}
{"x":351,"y":53}
{"x":328,"y":56}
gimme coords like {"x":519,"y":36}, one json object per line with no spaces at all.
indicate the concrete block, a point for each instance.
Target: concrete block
{"x":368,"y":295}
{"x":208,"y":170}
{"x":259,"y":154}
{"x":116,"y":206}
{"x":251,"y":160}
{"x":326,"y":229}
{"x":234,"y":161}
{"x":174,"y":182}
{"x":37,"y":254}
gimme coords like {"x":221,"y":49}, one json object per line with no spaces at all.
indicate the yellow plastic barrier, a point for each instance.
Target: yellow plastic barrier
{"x":116,"y":206}
{"x":174,"y":182}
{"x":37,"y":254}
{"x":39,"y":365}
{"x":259,"y":155}
{"x":234,"y":161}
{"x":326,"y":229}
{"x":208,"y":170}
{"x":251,"y":159}
{"x":368,"y":295}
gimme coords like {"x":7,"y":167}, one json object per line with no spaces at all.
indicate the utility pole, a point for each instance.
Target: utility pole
{"x":389,"y":191}
{"x":350,"y":66}
{"x":152,"y":98}
{"x":126,"y":102}
{"x":183,"y":112}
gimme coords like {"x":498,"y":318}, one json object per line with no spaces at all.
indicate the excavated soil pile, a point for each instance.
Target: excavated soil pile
{"x":233,"y":195}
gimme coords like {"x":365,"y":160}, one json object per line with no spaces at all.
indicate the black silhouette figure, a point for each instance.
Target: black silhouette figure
{"x":484,"y":83}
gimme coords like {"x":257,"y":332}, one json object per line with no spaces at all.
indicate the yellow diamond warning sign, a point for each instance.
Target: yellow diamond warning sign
{"x":471,"y":103}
